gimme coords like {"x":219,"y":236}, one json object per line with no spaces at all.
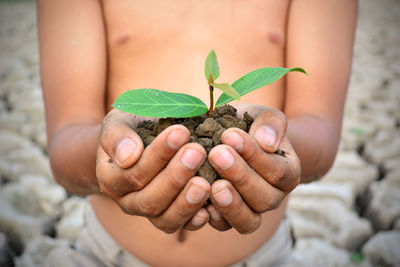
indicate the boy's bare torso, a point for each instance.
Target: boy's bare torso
{"x":163,"y":45}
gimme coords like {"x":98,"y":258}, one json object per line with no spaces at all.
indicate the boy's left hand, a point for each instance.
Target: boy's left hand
{"x":255,"y":180}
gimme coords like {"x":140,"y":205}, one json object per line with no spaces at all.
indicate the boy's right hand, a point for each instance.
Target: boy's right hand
{"x":157,"y":182}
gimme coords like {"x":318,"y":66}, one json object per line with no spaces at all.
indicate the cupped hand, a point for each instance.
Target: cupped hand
{"x":255,"y":179}
{"x":156,"y":182}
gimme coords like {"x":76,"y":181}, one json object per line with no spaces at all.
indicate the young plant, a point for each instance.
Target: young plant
{"x":160,"y":104}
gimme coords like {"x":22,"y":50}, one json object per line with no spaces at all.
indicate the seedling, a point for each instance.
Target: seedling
{"x":160,"y":104}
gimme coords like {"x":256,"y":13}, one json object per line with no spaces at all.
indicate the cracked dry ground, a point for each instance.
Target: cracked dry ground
{"x":351,"y":217}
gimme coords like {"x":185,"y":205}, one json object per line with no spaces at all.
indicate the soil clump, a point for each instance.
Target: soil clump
{"x":204,"y":130}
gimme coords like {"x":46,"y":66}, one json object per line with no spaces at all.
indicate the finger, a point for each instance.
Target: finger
{"x":157,"y":155}
{"x":255,"y":190}
{"x":216,"y":220}
{"x":198,"y":220}
{"x":281,"y":172}
{"x":163,"y":189}
{"x":110,"y":177}
{"x":231,"y":206}
{"x":119,"y":140}
{"x":154,"y":158}
{"x":268,"y":129}
{"x":185,"y":206}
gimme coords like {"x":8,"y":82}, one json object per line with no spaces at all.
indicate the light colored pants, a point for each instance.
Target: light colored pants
{"x":96,"y":248}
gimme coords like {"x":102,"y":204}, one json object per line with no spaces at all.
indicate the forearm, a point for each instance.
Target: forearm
{"x":72,"y":154}
{"x":315,"y":142}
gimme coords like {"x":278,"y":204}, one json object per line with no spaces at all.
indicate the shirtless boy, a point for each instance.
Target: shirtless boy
{"x":148,"y":200}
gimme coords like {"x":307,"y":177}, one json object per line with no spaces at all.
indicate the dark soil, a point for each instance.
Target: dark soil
{"x":205,"y":130}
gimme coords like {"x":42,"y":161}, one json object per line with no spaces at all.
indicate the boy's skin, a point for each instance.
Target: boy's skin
{"x":92,"y":51}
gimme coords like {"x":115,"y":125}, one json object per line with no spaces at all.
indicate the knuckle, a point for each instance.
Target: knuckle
{"x":273,"y":204}
{"x":233,"y":212}
{"x":127,"y":210}
{"x":269,"y":202}
{"x":149,"y":208}
{"x":160,"y":157}
{"x":276,"y":173}
{"x":276,"y":204}
{"x":252,"y":156}
{"x":126,"y":206}
{"x":175,"y":181}
{"x":262,"y":207}
{"x":166,"y":226}
{"x":135,"y":182}
{"x":250,"y":227}
{"x":222,"y":227}
{"x":183,"y":212}
{"x":241,"y":178}
{"x":170,"y":230}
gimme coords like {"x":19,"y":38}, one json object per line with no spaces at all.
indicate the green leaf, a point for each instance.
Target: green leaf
{"x":211,"y":67}
{"x":159,"y":104}
{"x":227,"y":89}
{"x":254,"y":80}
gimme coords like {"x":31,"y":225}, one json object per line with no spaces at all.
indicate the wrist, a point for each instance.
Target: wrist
{"x":315,"y":142}
{"x":72,"y":156}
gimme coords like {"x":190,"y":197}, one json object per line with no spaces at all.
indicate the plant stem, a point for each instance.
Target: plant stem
{"x":211,"y":109}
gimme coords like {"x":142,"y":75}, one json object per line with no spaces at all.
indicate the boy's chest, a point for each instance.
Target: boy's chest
{"x":163,"y":44}
{"x":194,"y":21}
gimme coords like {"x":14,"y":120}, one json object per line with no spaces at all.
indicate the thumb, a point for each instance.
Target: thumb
{"x":117,"y":138}
{"x":269,"y":129}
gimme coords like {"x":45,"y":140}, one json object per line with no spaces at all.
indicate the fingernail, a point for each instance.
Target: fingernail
{"x":266,"y":135}
{"x":214,"y":213}
{"x":195,"y":194}
{"x":198,"y":220}
{"x":223,"y":196}
{"x":124,"y":149}
{"x":176,"y":139}
{"x":191,"y":158}
{"x":224,"y":159}
{"x":234,"y":140}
